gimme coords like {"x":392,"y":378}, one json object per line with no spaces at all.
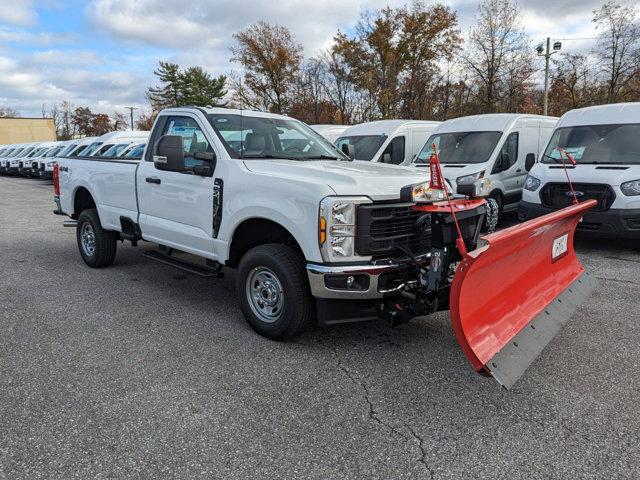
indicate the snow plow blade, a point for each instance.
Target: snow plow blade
{"x":511,"y":296}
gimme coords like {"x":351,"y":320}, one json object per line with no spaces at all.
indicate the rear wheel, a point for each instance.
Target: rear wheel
{"x":273,"y":291}
{"x":97,"y":246}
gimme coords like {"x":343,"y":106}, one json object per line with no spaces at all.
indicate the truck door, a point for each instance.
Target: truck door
{"x":176,"y":208}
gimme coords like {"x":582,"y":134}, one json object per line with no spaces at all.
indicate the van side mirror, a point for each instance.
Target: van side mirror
{"x":348,"y":150}
{"x":168,"y":153}
{"x":529,"y":161}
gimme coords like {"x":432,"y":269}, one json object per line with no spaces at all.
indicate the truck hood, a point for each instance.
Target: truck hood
{"x":612,"y":175}
{"x":377,"y":181}
{"x":452,"y":171}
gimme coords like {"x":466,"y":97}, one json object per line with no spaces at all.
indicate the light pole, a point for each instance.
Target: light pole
{"x":546,"y":53}
{"x":131,"y":109}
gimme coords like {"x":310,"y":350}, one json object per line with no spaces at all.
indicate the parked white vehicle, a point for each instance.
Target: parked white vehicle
{"x":6,"y":153}
{"x":112,"y":143}
{"x":604,"y":141}
{"x":249,"y":195}
{"x":485,"y":155}
{"x":14,"y":161}
{"x":330,"y":132}
{"x":31,"y":163}
{"x":395,"y":142}
{"x":45,"y":166}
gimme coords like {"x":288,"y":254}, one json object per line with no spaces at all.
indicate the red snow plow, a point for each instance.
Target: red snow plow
{"x":511,"y":296}
{"x":509,"y":293}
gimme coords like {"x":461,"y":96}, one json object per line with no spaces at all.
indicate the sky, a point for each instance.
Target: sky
{"x":102,"y":53}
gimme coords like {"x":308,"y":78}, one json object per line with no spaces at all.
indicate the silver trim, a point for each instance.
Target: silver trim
{"x":316,"y":273}
{"x":70,"y":223}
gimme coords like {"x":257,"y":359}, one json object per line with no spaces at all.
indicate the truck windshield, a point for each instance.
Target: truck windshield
{"x":253,"y":137}
{"x":617,"y":144}
{"x":364,"y":146}
{"x":460,"y":147}
{"x":89,"y":149}
{"x":53,"y":152}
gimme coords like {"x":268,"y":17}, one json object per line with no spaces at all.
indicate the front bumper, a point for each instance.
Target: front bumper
{"x":614,"y":223}
{"x":369,"y":281}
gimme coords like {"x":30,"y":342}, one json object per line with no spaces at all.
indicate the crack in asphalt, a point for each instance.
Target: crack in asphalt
{"x":423,"y":450}
{"x":373,"y":414}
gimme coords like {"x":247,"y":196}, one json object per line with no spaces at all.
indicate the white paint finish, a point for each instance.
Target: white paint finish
{"x":602,"y":115}
{"x":330,"y":132}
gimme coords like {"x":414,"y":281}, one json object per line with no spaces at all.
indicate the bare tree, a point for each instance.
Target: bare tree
{"x":9,"y":112}
{"x":618,"y":47}
{"x":498,"y":54}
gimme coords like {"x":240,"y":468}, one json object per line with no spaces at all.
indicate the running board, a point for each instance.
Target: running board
{"x":193,"y":268}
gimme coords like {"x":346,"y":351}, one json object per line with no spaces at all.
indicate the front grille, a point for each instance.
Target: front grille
{"x":555,"y":195}
{"x":381,"y":229}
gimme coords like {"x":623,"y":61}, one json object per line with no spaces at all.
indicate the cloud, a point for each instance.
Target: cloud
{"x":67,"y":58}
{"x":22,"y":37}
{"x":21,"y":12}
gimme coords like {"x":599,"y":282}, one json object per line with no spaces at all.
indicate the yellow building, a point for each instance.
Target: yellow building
{"x":24,"y":130}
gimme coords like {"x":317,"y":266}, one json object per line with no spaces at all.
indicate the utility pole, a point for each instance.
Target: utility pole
{"x":131,"y":109}
{"x":547,"y":55}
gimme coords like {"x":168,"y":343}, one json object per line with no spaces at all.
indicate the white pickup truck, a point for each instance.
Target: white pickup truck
{"x":311,"y":233}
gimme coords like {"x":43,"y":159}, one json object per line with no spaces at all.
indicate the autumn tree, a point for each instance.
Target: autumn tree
{"x":573,"y":84}
{"x":145,"y":121}
{"x":119,"y":121}
{"x":91,"y":124}
{"x":618,"y":48}
{"x":192,"y":86}
{"x":499,"y":55}
{"x":270,"y":57}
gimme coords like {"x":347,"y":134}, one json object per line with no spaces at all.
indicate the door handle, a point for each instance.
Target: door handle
{"x":518,"y":170}
{"x":155,"y":180}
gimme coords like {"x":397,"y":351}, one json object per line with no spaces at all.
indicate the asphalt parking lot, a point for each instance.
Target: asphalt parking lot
{"x":141,"y":371}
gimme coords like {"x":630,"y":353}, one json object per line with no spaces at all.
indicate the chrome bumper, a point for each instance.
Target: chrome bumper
{"x":317,"y":273}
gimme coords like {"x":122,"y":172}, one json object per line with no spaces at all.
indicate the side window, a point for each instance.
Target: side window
{"x":510,"y":150}
{"x":396,"y":150}
{"x":193,"y":139}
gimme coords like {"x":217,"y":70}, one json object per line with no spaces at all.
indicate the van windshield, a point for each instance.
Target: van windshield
{"x":252,"y":137}
{"x":364,"y":146}
{"x":53,"y":152}
{"x":618,"y":144}
{"x":460,"y":147}
{"x":89,"y":149}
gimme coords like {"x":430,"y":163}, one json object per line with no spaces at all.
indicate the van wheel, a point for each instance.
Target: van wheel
{"x":492,"y":217}
{"x":97,"y":246}
{"x":274,"y":293}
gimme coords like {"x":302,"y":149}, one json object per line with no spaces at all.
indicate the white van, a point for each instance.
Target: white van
{"x":485,"y":155}
{"x":390,"y":141}
{"x":14,"y":161}
{"x":604,"y":141}
{"x":29,"y":165}
{"x":110,"y":144}
{"x":330,"y":132}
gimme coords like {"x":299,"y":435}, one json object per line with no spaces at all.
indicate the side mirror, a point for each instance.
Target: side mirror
{"x":529,"y":161}
{"x":348,"y":150}
{"x":386,"y":158}
{"x":169,"y":153}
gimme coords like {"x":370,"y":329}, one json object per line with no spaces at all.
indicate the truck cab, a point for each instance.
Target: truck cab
{"x":604,"y":143}
{"x":394,"y":142}
{"x":485,"y":155}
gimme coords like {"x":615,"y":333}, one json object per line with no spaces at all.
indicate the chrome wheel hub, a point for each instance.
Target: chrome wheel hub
{"x":88,"y":240}
{"x":264,"y":294}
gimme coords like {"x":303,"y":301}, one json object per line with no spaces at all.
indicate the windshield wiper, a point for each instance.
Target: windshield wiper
{"x":557,"y":160}
{"x":320,"y":157}
{"x":268,"y":155}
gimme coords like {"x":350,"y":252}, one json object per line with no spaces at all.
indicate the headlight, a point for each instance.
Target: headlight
{"x":421,"y":193}
{"x":631,"y":188}
{"x":531,"y":183}
{"x":469,"y":179}
{"x":337,"y":227}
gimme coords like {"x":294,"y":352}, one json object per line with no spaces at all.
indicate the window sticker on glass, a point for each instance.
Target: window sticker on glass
{"x":575,"y":152}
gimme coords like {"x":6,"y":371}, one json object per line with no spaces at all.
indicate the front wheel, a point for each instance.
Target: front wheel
{"x":97,"y":246}
{"x":273,"y":291}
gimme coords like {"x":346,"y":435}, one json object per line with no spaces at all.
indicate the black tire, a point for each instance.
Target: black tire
{"x":104,"y":242}
{"x":297,"y":311}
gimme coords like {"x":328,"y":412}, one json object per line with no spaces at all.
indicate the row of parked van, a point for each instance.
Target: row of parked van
{"x":36,"y":159}
{"x":518,"y":161}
